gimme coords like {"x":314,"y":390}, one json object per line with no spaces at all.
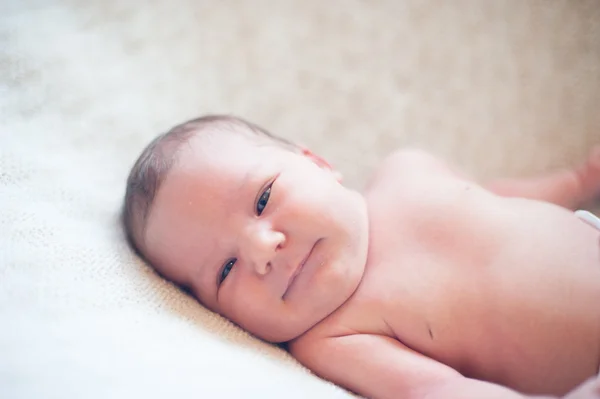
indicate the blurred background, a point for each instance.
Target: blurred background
{"x":501,"y":87}
{"x":505,"y":87}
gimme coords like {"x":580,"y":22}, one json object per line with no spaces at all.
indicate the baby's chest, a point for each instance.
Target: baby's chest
{"x":470,"y":296}
{"x":426,"y":300}
{"x":431,"y":261}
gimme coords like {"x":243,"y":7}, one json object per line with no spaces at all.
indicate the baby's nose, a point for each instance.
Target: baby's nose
{"x":262,"y":245}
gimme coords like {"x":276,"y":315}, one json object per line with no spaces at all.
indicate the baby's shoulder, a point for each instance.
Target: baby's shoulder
{"x":413,"y":188}
{"x":412,"y":160}
{"x":405,"y":166}
{"x":407,"y":176}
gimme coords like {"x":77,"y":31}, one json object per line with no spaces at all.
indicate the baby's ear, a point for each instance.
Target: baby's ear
{"x":321,"y":162}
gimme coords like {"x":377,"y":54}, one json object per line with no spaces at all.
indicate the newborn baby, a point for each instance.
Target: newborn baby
{"x":425,"y":285}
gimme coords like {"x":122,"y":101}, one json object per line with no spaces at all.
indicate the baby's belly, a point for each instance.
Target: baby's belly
{"x":527,"y":317}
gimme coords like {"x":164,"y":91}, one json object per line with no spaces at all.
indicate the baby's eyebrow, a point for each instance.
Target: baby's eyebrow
{"x":205,"y":270}
{"x":247,"y":175}
{"x":209,"y":278}
{"x":244,"y":180}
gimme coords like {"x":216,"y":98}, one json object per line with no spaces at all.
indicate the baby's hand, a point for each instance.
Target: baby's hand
{"x":588,"y":390}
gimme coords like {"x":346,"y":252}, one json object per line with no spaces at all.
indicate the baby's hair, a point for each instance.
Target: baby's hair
{"x":157,"y":159}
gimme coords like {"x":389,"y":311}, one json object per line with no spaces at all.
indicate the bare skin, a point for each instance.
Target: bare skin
{"x":463,"y":282}
{"x":426,"y":286}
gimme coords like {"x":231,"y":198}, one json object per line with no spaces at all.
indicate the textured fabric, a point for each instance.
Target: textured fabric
{"x":498,"y":87}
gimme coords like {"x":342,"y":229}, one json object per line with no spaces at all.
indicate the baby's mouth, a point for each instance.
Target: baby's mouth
{"x":298,"y":270}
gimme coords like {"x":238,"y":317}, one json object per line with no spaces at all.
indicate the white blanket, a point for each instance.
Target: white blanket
{"x":84,"y":85}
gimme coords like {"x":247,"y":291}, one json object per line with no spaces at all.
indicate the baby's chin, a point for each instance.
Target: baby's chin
{"x":336,"y":289}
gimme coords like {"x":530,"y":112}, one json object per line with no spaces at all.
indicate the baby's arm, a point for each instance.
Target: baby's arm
{"x":569,"y":188}
{"x":379,"y":367}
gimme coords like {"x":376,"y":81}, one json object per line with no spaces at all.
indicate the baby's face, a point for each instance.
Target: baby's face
{"x":261,"y":234}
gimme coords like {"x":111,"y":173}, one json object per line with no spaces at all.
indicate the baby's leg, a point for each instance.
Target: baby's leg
{"x":570,"y":188}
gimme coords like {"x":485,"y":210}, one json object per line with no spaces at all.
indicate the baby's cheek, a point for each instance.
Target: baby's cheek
{"x":243,"y":295}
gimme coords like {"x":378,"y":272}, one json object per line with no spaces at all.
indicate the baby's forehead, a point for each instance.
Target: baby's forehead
{"x":227,"y":137}
{"x":214,"y":169}
{"x":224,"y":151}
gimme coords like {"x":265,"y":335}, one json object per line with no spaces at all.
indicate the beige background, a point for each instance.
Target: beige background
{"x":497,"y":87}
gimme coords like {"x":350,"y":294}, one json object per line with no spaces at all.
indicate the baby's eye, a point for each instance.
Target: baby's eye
{"x":263,"y":200}
{"x":226,"y":269}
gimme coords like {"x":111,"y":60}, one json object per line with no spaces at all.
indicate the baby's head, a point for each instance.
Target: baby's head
{"x":257,"y":228}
